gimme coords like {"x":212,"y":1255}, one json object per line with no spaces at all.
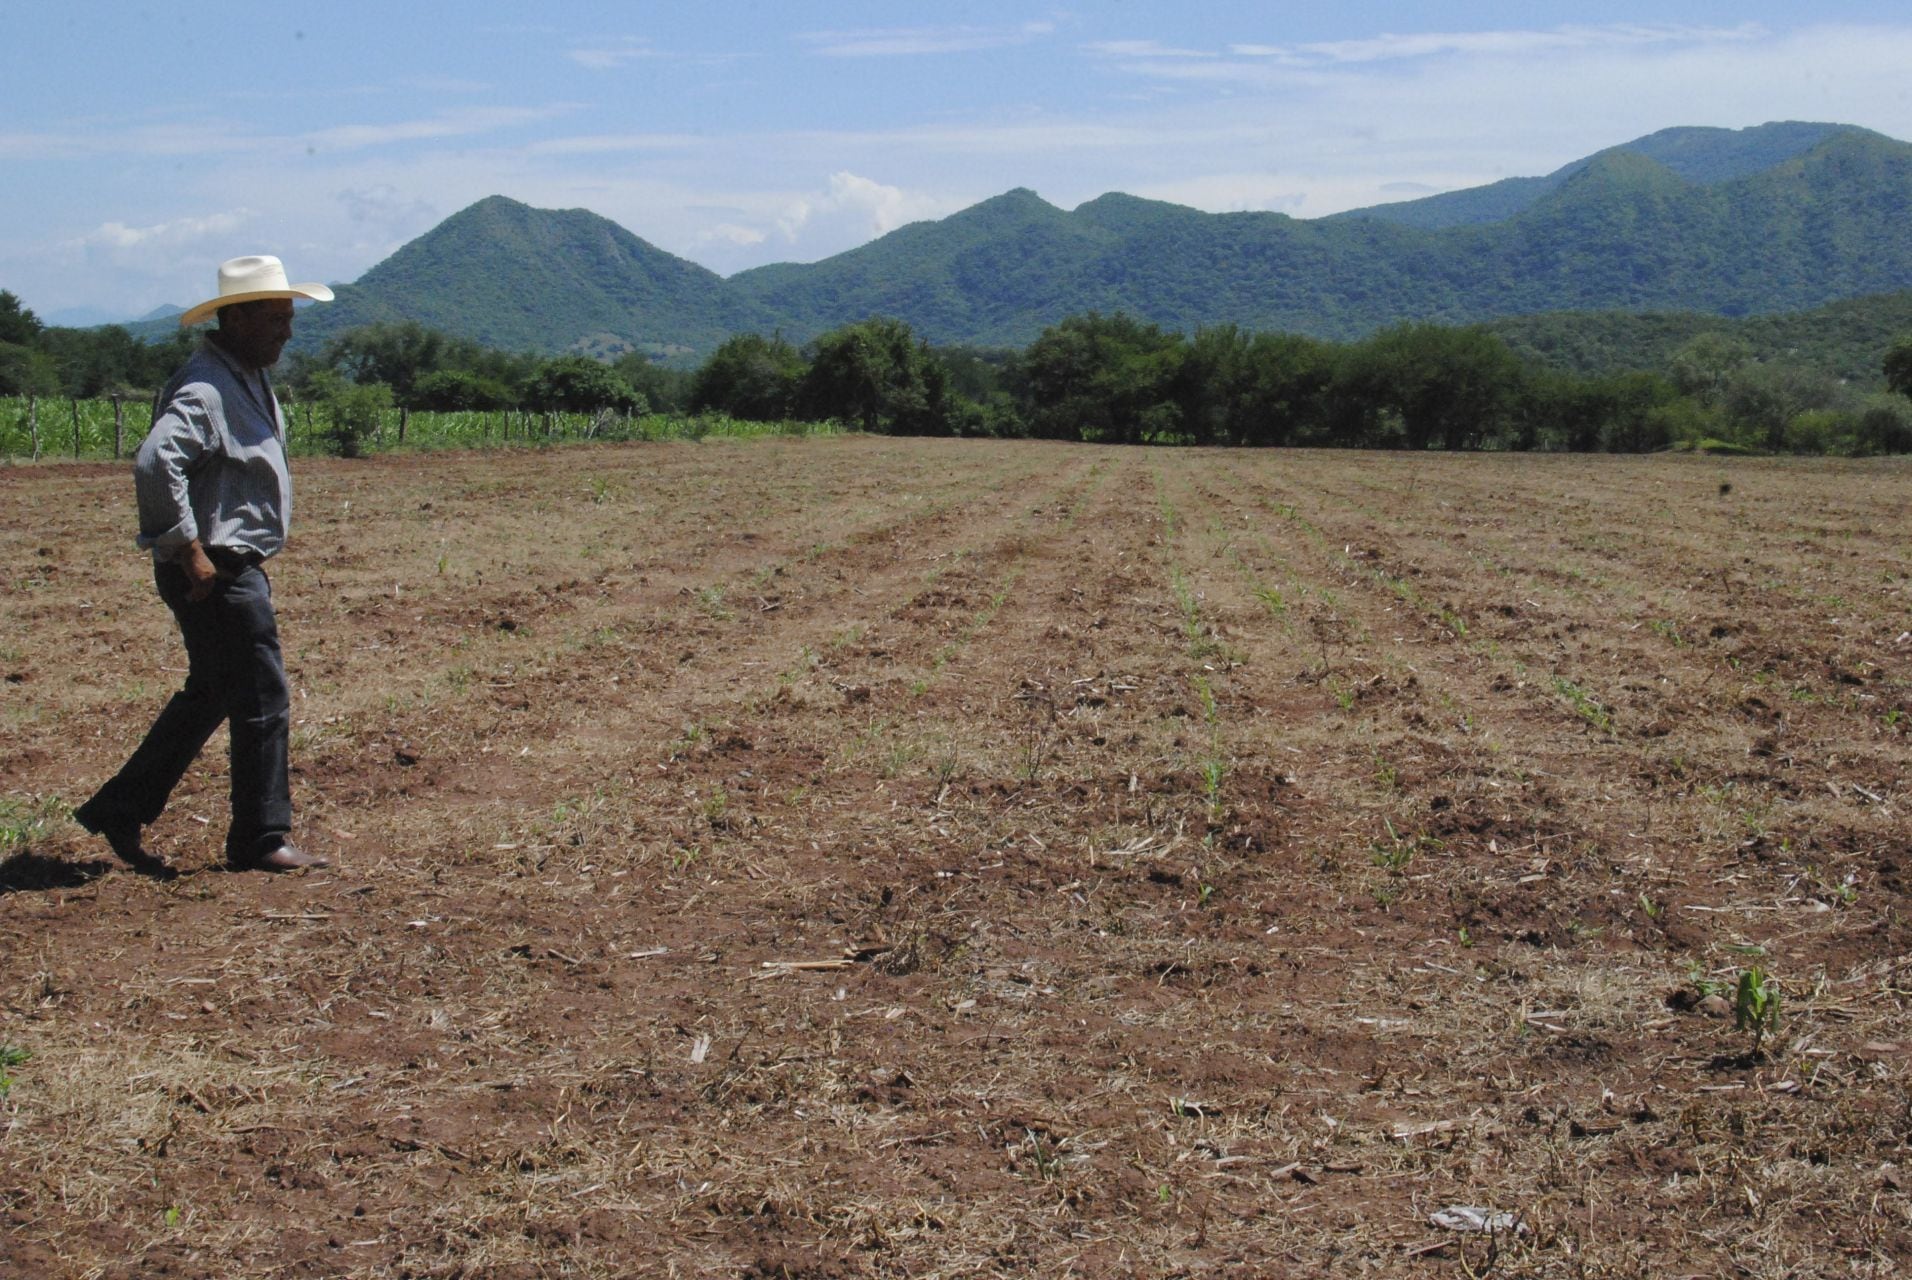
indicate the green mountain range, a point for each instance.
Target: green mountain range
{"x":1777,"y":218}
{"x":517,"y":278}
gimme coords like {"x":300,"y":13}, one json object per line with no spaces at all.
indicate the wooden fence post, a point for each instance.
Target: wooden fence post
{"x":76,"y":426}
{"x":33,"y":424}
{"x":119,"y":425}
{"x":404,"y":416}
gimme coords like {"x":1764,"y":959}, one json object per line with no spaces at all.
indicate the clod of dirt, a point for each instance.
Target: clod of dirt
{"x":1687,"y":1000}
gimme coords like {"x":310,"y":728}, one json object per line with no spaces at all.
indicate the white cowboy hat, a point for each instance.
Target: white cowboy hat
{"x":250,"y":279}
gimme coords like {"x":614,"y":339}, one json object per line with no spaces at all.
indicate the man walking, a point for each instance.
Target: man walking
{"x":214,"y":499}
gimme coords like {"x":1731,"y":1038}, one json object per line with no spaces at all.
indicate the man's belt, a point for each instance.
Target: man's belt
{"x":234,"y":560}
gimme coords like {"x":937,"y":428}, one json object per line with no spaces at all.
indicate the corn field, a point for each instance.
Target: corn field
{"x":54,"y":427}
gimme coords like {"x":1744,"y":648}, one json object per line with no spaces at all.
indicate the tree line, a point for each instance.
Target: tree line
{"x":1093,"y":377}
{"x":1116,"y":379}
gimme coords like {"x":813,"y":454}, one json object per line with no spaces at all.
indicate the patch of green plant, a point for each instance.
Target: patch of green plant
{"x":1199,"y":644}
{"x":1396,"y":852}
{"x":692,"y":738}
{"x":717,"y":807}
{"x":1585,"y":705}
{"x":1756,"y":1000}
{"x":1168,"y":512}
{"x":23,"y":821}
{"x":1213,"y":771}
{"x":11,"y":1056}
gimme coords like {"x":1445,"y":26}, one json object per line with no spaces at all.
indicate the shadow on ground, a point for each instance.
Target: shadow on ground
{"x":31,"y":872}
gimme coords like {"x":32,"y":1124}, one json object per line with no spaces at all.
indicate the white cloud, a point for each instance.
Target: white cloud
{"x":914,"y":41}
{"x":112,"y":237}
{"x":384,"y":207}
{"x":447,"y":84}
{"x":446,"y":124}
{"x":729,"y":233}
{"x":1501,"y":44}
{"x":860,"y":205}
{"x":1277,"y":65}
{"x":220,"y":139}
{"x":608,"y":143}
{"x":1143,"y":49}
{"x":188,"y":139}
{"x":609,"y":55}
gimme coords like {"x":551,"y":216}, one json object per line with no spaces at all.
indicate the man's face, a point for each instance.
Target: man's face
{"x":256,"y":332}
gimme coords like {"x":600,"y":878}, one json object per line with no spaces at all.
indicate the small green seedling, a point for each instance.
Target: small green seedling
{"x":10,"y":1058}
{"x":1756,"y":1005}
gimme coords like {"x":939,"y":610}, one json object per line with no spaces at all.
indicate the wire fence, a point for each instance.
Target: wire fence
{"x":52,"y":428}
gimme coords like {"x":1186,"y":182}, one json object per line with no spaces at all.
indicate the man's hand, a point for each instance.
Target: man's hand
{"x":201,"y":577}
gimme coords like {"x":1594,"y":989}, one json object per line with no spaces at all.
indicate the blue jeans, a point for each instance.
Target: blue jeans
{"x":234,"y":675}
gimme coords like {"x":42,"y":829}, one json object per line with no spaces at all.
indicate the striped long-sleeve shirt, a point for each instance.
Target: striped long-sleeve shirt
{"x":213,"y":467}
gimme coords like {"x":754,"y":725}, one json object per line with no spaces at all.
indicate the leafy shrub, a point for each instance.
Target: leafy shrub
{"x":352,"y":412}
{"x":1885,"y":426}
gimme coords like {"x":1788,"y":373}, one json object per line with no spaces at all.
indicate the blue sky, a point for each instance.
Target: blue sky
{"x":143,"y":142}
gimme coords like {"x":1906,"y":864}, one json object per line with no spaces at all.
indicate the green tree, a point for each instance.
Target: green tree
{"x":1618,"y":413}
{"x":1898,"y":367}
{"x":1760,"y":402}
{"x":1885,"y":426}
{"x":27,"y":372}
{"x":18,"y":325}
{"x":397,"y":355}
{"x":1445,"y":385}
{"x":353,"y":411}
{"x":749,"y":376}
{"x":458,"y":390}
{"x":1706,"y":363}
{"x":1096,"y":377}
{"x":579,"y":384}
{"x":1211,"y":382}
{"x":877,"y":375}
{"x":666,"y":390}
{"x":1252,"y":389}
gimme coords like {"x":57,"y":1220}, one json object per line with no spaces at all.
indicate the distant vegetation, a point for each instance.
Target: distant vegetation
{"x":1702,"y":383}
{"x":1710,"y":221}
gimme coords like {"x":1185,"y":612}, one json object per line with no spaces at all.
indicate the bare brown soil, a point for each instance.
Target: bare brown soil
{"x":861,"y":857}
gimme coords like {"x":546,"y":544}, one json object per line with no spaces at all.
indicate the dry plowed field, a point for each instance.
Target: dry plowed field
{"x":863,"y":857}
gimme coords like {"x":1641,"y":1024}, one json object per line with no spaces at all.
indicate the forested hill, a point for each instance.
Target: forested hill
{"x":1703,"y":156}
{"x":1779,"y":218}
{"x":516,"y":278}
